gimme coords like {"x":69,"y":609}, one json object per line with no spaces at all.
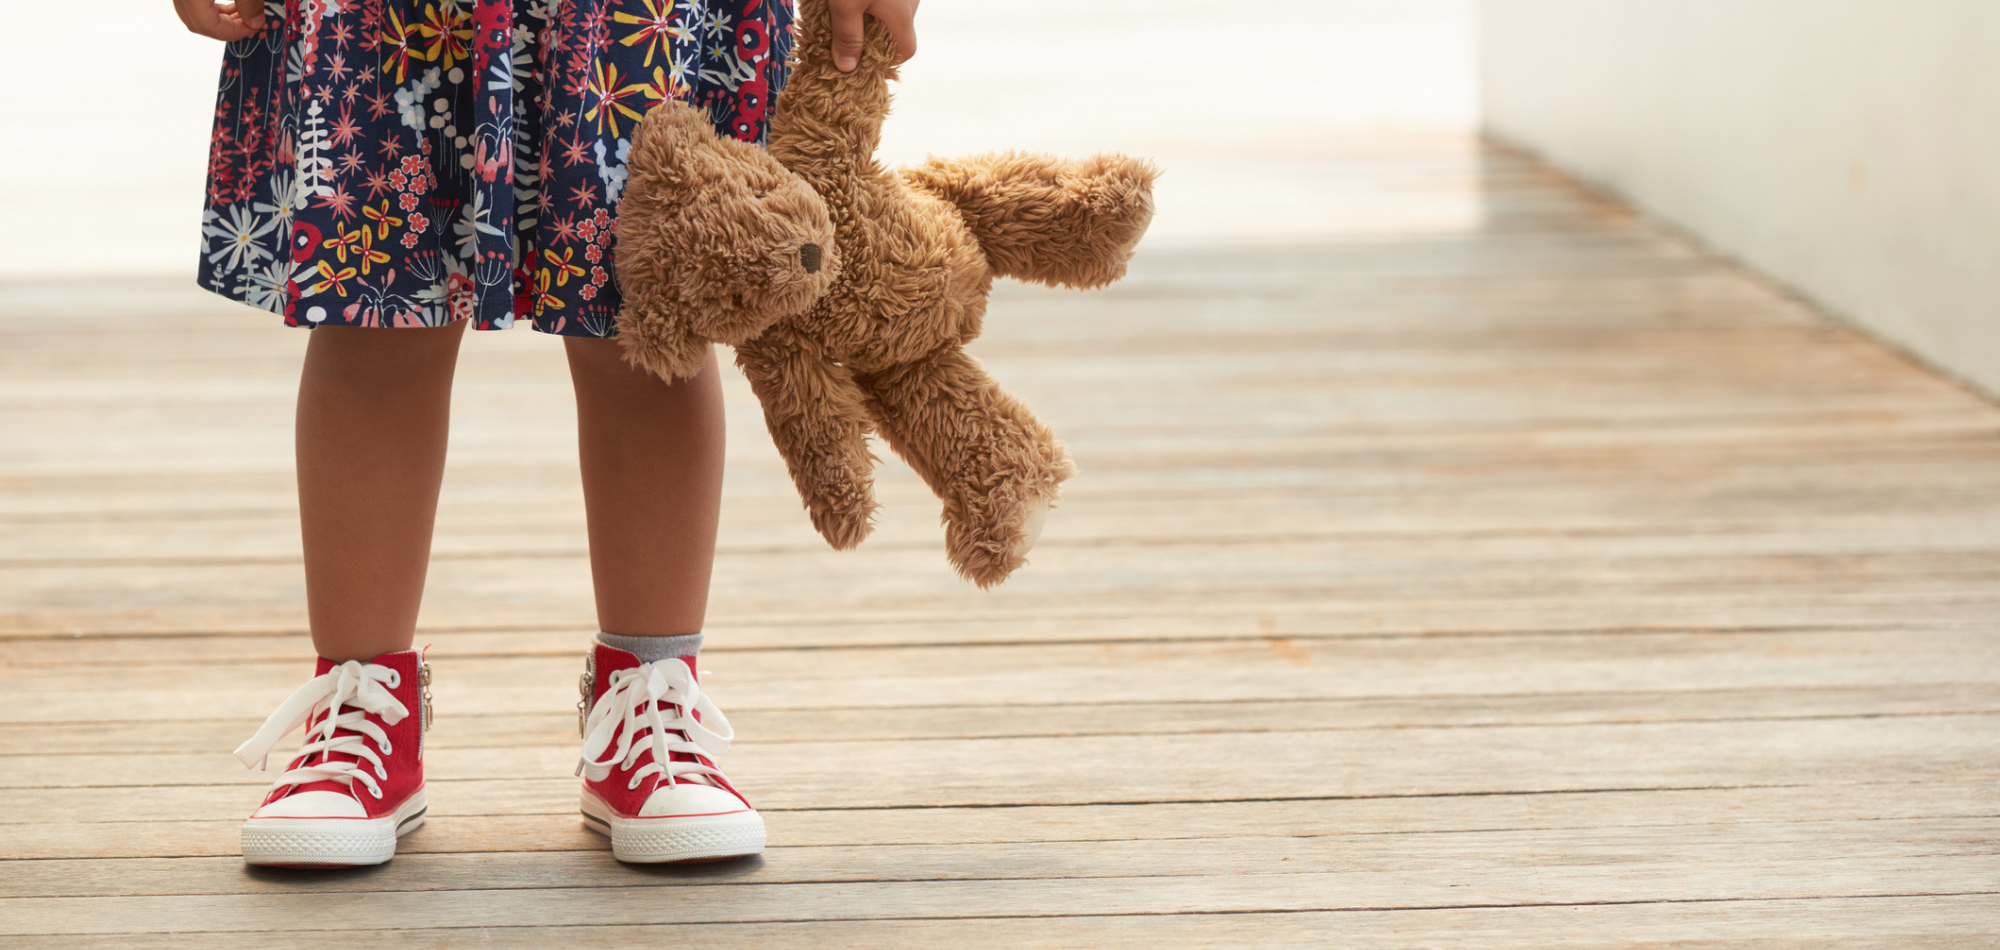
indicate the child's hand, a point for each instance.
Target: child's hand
{"x":898,"y":15}
{"x":225,"y":21}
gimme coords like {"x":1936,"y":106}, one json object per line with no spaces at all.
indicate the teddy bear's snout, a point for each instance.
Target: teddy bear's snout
{"x":809,"y":258}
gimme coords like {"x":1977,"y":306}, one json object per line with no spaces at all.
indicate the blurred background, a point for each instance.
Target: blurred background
{"x":1848,"y":149}
{"x":1246,"y":110}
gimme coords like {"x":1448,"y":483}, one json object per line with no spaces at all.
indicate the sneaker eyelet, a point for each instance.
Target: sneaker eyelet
{"x":632,"y":786}
{"x":376,"y":791}
{"x":395,"y":679}
{"x":384,"y":746}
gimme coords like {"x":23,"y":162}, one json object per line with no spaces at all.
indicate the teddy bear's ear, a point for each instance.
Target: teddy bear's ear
{"x":669,"y":129}
{"x":1047,"y":220}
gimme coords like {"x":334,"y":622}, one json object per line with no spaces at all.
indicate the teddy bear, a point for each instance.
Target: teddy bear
{"x":849,"y":291}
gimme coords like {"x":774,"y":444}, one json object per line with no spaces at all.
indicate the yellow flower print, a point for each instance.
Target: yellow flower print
{"x":606,"y":98}
{"x":564,"y":269}
{"x":657,"y":29}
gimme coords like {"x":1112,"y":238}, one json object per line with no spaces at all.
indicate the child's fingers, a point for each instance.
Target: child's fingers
{"x":900,"y":17}
{"x":846,"y":34}
{"x":217,"y":21}
{"x":905,"y":35}
{"x":251,"y":12}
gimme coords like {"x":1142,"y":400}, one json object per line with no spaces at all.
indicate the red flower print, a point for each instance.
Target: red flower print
{"x":344,"y":128}
{"x":304,"y":238}
{"x":458,"y":292}
{"x":565,"y":229}
{"x":340,"y":200}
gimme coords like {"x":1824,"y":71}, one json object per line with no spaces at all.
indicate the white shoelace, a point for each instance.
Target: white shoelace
{"x":357,"y":688}
{"x":634,"y":702}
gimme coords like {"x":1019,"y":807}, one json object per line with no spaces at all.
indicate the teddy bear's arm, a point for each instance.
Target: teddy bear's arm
{"x":817,"y":418}
{"x":995,"y":467}
{"x":1047,"y":220}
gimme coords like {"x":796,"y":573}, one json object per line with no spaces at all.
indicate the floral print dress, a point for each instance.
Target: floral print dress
{"x":414,"y":162}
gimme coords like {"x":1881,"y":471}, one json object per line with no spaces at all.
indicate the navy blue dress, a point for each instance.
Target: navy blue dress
{"x":414,"y":162}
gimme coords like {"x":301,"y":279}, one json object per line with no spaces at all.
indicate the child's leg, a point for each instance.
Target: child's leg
{"x":374,"y":408}
{"x":652,"y":487}
{"x":651,"y":453}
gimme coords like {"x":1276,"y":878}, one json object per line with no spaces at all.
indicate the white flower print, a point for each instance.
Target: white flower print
{"x":613,"y":175}
{"x":236,"y":237}
{"x":410,"y":98}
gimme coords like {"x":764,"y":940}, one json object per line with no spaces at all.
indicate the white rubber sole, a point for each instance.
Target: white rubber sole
{"x":674,"y":838}
{"x":331,"y":842}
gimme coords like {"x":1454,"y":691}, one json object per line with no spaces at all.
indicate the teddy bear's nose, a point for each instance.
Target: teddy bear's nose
{"x":809,"y":257}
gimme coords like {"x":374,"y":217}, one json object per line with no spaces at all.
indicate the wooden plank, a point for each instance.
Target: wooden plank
{"x":1264,"y":668}
{"x":540,"y":815}
{"x":962,"y":721}
{"x":1626,"y":372}
{"x":1719,"y":516}
{"x":1385,"y":853}
{"x":1877,"y":923}
{"x":1762,"y":879}
{"x":556,"y":629}
{"x":1952,"y":925}
{"x":1155,"y":768}
{"x":1946,"y":923}
{"x":1285,"y":574}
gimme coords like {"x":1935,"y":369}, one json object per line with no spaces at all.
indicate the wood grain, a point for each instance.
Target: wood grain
{"x":1551,"y":583}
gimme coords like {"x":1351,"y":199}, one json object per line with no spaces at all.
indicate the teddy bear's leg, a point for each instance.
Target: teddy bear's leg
{"x":995,"y":467}
{"x":819,"y":420}
{"x":1047,"y":220}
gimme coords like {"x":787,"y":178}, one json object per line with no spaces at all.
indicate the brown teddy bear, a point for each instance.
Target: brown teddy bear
{"x":861,"y":327}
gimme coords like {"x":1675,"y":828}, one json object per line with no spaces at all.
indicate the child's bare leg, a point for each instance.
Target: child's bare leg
{"x":651,"y":453}
{"x":374,"y":410}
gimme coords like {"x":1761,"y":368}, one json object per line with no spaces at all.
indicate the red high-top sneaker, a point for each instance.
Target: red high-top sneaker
{"x":358,"y":781}
{"x":649,"y":778}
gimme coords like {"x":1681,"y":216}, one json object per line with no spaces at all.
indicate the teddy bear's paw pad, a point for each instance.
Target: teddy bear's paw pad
{"x":1031,"y":527}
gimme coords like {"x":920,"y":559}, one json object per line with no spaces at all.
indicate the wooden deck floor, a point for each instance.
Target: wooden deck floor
{"x":1541,"y":582}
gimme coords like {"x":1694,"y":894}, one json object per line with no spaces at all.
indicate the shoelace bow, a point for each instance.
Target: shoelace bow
{"x":634,"y":703}
{"x":347,"y":694}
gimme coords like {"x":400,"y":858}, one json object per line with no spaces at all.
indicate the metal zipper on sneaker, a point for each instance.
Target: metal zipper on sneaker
{"x":424,"y":681}
{"x":585,"y":686}
{"x":424,"y":691}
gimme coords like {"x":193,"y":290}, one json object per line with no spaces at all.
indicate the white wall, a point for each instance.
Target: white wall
{"x":1850,"y":148}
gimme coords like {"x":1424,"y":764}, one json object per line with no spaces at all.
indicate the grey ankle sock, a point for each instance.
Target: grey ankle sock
{"x":654,"y":649}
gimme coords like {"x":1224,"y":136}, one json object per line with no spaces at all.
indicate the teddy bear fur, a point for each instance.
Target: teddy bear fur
{"x":881,"y":349}
{"x":715,"y":241}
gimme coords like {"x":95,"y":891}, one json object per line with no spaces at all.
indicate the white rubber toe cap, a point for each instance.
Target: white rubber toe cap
{"x":315,"y":804}
{"x":689,"y":798}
